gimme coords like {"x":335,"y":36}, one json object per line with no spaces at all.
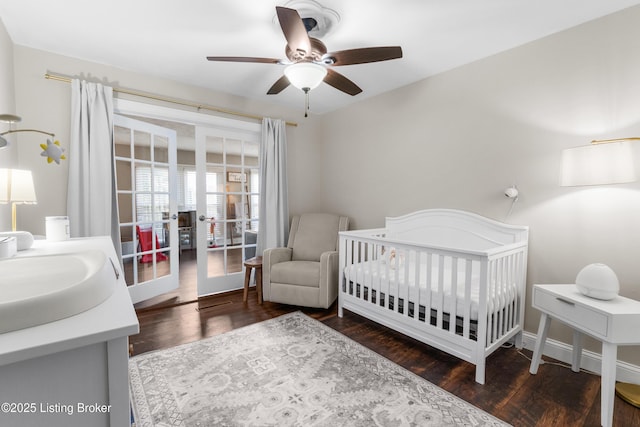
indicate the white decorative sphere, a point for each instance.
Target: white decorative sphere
{"x":598,"y":281}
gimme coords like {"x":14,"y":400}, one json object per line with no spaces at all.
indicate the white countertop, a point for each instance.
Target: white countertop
{"x":113,"y":318}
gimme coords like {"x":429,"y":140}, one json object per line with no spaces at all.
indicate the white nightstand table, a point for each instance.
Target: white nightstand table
{"x":614,"y":322}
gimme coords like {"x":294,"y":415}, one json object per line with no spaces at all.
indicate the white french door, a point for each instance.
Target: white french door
{"x":225,"y":152}
{"x":147,"y":204}
{"x":227,"y":171}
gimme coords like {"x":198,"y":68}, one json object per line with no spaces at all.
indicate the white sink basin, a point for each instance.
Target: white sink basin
{"x":35,"y":290}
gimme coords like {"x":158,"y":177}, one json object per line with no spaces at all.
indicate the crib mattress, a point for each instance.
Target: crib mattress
{"x":382,"y":277}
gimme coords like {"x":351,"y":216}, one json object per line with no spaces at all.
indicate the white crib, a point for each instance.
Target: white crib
{"x":452,"y":279}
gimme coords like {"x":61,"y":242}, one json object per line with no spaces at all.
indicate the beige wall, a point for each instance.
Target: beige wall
{"x":458,"y":139}
{"x":45,"y":104}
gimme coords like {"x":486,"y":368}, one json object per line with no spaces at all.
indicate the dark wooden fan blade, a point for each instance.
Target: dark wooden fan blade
{"x":363,"y":55}
{"x":342,"y":83}
{"x":279,"y":86}
{"x":243,"y":59}
{"x":293,"y":29}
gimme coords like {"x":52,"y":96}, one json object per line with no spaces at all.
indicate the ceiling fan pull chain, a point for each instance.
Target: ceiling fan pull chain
{"x":306,"y":102}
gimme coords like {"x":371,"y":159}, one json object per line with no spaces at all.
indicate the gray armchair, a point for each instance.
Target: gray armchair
{"x":305,"y":273}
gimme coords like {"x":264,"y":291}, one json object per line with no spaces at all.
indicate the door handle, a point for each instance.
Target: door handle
{"x":174,"y":216}
{"x":202,"y":217}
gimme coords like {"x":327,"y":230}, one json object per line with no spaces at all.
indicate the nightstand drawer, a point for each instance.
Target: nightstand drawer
{"x":570,"y":312}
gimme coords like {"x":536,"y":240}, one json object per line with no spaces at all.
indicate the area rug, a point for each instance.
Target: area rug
{"x":287,"y":371}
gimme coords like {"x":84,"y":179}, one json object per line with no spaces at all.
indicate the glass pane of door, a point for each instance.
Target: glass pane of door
{"x":146,"y":188}
{"x":228,"y":179}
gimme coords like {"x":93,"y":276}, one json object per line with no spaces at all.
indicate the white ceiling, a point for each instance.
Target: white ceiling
{"x":171,"y":39}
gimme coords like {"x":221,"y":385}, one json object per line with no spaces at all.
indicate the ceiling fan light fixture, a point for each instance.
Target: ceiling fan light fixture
{"x":305,"y":75}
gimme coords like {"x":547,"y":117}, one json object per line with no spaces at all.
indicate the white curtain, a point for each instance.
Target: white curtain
{"x":91,"y":198}
{"x":273,"y":227}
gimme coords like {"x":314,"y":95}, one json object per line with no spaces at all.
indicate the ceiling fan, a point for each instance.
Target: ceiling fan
{"x":308,"y":60}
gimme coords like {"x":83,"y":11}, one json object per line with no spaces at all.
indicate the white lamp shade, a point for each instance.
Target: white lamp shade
{"x":597,"y":164}
{"x":16,"y":186}
{"x":598,"y":281}
{"x":4,"y":186}
{"x":305,"y":75}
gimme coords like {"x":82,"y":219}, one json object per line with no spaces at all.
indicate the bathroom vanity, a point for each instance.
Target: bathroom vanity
{"x":72,"y":371}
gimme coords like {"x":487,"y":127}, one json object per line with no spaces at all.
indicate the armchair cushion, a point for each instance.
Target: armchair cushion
{"x":313,"y":234}
{"x":301,"y":273}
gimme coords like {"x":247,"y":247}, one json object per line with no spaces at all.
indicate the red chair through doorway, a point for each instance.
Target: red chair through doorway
{"x":146,"y":244}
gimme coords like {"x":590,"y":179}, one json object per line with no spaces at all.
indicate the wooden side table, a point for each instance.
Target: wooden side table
{"x":250,"y":264}
{"x":614,"y":322}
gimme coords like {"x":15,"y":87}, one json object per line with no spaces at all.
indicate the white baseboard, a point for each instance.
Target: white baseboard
{"x":625,"y":372}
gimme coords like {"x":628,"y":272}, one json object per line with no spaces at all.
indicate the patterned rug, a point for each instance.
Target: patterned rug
{"x":287,"y":371}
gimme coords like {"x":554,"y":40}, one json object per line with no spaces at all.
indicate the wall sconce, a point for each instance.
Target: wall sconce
{"x":511,"y":193}
{"x":10,"y":118}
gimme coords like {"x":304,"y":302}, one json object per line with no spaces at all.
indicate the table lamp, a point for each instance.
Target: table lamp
{"x":16,"y":187}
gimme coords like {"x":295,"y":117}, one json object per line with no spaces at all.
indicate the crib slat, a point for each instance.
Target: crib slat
{"x":519,"y":277}
{"x":504,"y":324}
{"x":509,"y":293}
{"x":406,"y":289}
{"x":466,"y":323}
{"x":494,"y":292}
{"x":357,"y":284}
{"x":522,"y":278}
{"x":418,"y":287}
{"x":498,"y":298}
{"x":427,"y":303}
{"x":506,"y":312}
{"x":440,"y":294}
{"x":375,"y":283}
{"x":454,"y":295}
{"x":369,"y":261}
{"x":482,"y":303}
{"x":386,"y":284}
{"x":396,"y":284}
{"x":492,"y":313}
{"x":349,"y":256}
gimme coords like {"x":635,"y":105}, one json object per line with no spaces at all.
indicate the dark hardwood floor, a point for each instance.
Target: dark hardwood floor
{"x":187,"y":276}
{"x":556,"y":396}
